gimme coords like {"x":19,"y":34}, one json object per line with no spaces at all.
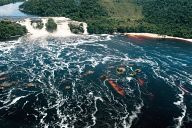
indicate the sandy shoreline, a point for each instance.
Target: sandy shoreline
{"x":155,"y":36}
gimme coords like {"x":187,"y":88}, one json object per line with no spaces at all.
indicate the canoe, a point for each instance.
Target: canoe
{"x":117,"y":88}
{"x":141,"y":82}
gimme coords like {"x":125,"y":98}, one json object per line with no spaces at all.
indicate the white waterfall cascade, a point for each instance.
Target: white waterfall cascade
{"x":63,"y":29}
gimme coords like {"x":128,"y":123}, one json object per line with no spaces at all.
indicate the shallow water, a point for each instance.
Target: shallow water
{"x":64,"y":93}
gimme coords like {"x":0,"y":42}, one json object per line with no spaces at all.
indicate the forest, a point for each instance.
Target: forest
{"x":3,"y":2}
{"x":171,"y":17}
{"x":9,"y":29}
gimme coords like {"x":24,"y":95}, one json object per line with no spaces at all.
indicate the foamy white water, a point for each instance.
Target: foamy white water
{"x":63,"y":29}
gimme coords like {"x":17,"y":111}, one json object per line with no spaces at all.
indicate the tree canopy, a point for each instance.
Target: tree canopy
{"x":10,"y":29}
{"x":171,"y":17}
{"x":51,"y":26}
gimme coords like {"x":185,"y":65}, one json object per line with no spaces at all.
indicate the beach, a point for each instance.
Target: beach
{"x":155,"y":36}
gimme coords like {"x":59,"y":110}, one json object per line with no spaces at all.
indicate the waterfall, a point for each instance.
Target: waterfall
{"x":63,"y":29}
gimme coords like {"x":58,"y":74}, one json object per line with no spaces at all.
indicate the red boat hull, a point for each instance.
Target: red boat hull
{"x":141,"y":82}
{"x":117,"y":88}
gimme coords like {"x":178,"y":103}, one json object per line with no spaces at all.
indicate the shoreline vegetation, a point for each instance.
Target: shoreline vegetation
{"x":164,"y":17}
{"x":11,"y":30}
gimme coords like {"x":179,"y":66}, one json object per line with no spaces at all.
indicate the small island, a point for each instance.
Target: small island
{"x":10,"y":29}
{"x":37,"y":24}
{"x":76,"y":28}
{"x":51,"y":26}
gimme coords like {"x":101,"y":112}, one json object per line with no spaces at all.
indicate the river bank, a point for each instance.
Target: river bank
{"x":155,"y":36}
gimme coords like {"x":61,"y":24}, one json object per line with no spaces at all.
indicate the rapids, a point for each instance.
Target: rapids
{"x":55,"y":82}
{"x":63,"y":29}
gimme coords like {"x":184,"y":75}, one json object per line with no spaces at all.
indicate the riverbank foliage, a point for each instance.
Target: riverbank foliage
{"x":3,"y":2}
{"x":76,"y":28}
{"x":10,"y":29}
{"x":171,"y":17}
{"x":51,"y":26}
{"x":37,"y":24}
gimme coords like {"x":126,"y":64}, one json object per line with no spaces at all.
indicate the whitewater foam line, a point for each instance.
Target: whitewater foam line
{"x":14,"y":101}
{"x":134,"y":115}
{"x":180,"y":103}
{"x":63,"y":29}
{"x":96,"y":109}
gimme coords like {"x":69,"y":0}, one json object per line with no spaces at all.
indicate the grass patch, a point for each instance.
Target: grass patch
{"x":122,"y":9}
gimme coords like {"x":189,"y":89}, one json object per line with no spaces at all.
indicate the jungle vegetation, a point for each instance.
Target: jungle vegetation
{"x":38,"y":24}
{"x":3,"y":2}
{"x":170,"y":17}
{"x":9,"y":29}
{"x":76,"y":28}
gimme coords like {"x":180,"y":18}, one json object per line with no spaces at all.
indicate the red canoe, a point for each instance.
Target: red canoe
{"x":141,"y":82}
{"x":117,"y":88}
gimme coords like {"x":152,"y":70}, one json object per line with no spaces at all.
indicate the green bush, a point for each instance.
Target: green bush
{"x":51,"y":26}
{"x":39,"y":24}
{"x":77,"y":29}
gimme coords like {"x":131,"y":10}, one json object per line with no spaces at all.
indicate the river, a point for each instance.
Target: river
{"x":57,"y":82}
{"x":12,"y":10}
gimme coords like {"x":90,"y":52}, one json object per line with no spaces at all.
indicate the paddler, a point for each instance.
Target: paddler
{"x":138,"y":70}
{"x":120,"y":70}
{"x":133,"y":74}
